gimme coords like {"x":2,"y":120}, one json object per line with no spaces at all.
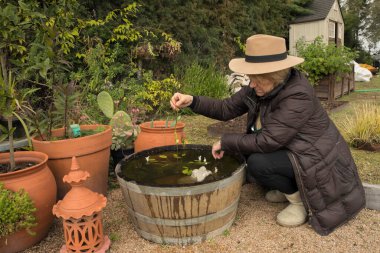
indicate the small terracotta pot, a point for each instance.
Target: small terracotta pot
{"x":159,"y":135}
{"x":38,"y":181}
{"x":92,"y":153}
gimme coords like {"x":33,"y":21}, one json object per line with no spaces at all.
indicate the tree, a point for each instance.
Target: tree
{"x":373,"y":28}
{"x":356,"y":14}
{"x":208,"y":29}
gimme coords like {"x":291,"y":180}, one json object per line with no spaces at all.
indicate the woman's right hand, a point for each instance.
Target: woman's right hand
{"x":180,"y":100}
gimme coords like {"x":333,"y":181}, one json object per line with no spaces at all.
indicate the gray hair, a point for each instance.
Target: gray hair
{"x":276,"y":77}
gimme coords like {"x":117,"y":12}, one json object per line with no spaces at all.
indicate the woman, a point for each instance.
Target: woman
{"x":291,"y":145}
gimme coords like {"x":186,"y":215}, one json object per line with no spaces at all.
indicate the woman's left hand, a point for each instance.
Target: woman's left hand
{"x":217,"y":151}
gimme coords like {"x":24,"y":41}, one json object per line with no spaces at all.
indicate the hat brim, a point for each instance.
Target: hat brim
{"x":239,"y":65}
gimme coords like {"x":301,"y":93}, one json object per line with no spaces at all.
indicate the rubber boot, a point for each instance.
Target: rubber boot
{"x":275,"y":196}
{"x":294,"y":214}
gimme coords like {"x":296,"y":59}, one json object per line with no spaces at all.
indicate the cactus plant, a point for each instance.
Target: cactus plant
{"x":124,"y":131}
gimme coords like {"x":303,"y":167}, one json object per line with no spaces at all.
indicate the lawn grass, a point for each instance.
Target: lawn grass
{"x":368,"y":163}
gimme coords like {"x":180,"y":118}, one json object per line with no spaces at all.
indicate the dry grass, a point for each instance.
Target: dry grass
{"x":363,"y":126}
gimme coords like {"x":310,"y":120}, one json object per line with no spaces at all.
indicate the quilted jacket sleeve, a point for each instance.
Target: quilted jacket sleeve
{"x":223,"y":110}
{"x":290,"y":110}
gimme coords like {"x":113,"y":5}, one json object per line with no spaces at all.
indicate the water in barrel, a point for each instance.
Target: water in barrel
{"x":178,"y":168}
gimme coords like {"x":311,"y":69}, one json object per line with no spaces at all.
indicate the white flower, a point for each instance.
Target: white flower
{"x":147,"y":158}
{"x":200,"y":174}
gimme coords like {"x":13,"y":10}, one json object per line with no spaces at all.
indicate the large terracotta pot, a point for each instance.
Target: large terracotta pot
{"x":92,"y":153}
{"x":39,"y":182}
{"x":159,"y":135}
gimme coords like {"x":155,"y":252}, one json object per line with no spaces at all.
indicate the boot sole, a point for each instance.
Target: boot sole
{"x":290,"y":225}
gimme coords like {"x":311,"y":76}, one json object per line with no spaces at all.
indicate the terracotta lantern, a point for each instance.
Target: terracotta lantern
{"x":80,"y":210}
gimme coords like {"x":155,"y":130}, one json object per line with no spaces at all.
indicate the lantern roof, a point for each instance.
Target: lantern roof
{"x":79,"y":201}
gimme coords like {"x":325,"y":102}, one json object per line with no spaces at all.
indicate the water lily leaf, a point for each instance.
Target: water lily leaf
{"x":186,"y":171}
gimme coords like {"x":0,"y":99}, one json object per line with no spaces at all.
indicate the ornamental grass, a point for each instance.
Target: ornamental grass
{"x":363,"y":125}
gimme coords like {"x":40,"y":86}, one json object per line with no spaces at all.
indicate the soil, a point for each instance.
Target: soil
{"x":239,"y":124}
{"x":4,"y":168}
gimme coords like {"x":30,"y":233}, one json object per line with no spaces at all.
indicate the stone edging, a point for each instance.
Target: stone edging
{"x":372,"y":195}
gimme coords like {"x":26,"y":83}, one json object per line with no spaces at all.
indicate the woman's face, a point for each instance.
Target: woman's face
{"x":261,"y":85}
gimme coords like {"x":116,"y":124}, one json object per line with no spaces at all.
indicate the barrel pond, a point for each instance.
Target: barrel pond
{"x":180,"y":194}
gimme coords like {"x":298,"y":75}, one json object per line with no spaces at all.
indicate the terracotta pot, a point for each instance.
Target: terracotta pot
{"x":39,"y":182}
{"x":159,"y":135}
{"x":92,"y":153}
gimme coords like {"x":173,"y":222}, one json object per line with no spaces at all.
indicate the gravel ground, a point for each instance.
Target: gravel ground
{"x":254,"y":230}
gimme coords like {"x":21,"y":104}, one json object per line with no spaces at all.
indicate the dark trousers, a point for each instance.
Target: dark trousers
{"x":273,"y":171}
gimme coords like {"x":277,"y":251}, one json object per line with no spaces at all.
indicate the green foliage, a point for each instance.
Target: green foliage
{"x":363,"y":126}
{"x":11,"y":102}
{"x":157,"y":93}
{"x":207,"y":28}
{"x":357,"y":18}
{"x":8,"y":100}
{"x":299,"y":7}
{"x":124,"y":130}
{"x":16,"y":212}
{"x":323,"y":59}
{"x":187,"y":171}
{"x":66,"y":111}
{"x":105,"y":103}
{"x":364,"y":57}
{"x":198,"y":80}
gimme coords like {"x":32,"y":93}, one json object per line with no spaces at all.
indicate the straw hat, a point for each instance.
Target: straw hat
{"x":264,"y":54}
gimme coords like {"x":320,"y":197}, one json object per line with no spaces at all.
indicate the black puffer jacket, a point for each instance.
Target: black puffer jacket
{"x":292,"y":118}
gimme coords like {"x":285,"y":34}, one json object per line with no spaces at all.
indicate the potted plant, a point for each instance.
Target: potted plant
{"x":61,"y":136}
{"x":328,"y":67}
{"x":160,"y":133}
{"x":25,"y":171}
{"x":124,"y":128}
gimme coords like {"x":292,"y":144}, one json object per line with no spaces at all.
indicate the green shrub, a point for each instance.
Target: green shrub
{"x":157,"y":93}
{"x":201,"y":81}
{"x":16,"y":212}
{"x":323,"y":59}
{"x":363,"y":126}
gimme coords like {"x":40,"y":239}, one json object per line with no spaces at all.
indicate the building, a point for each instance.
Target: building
{"x":326,"y":20}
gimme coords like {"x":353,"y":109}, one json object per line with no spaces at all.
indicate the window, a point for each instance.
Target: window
{"x":331,"y":29}
{"x":340,"y":31}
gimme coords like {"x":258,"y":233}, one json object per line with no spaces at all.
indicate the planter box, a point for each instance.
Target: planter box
{"x":332,"y":87}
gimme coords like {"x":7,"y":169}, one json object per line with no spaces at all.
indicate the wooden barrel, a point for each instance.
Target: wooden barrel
{"x":183,"y":215}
